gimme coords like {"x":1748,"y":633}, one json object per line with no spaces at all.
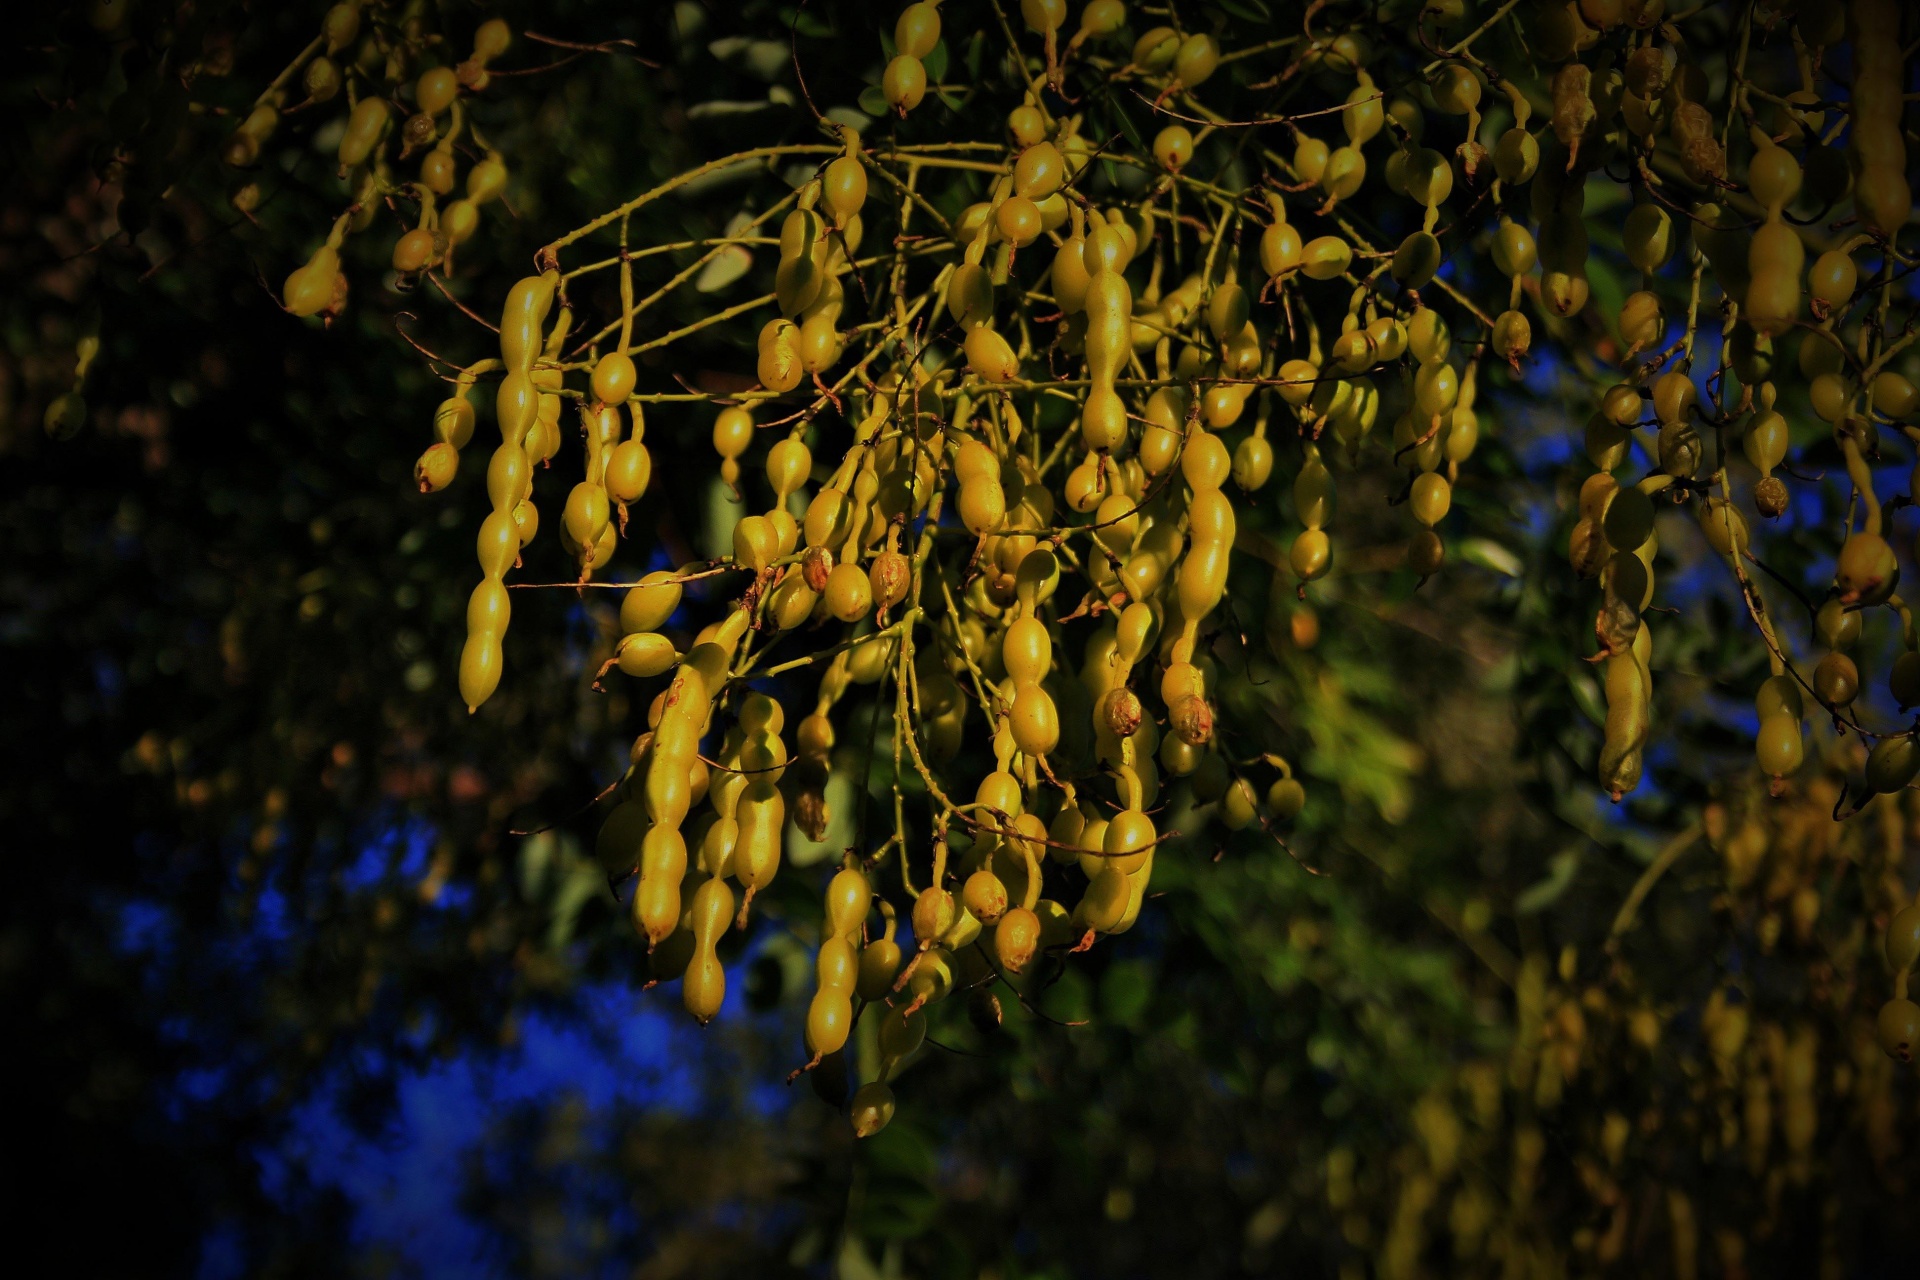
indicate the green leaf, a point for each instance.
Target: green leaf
{"x":1489,"y":554}
{"x":1251,"y":10}
{"x":936,"y":62}
{"x":1125,"y":992}
{"x":800,"y":22}
{"x":1127,"y":126}
{"x":1560,"y":869}
{"x":874,"y":102}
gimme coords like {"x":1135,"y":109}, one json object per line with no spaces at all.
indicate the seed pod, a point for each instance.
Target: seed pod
{"x":480,"y":667}
{"x":1516,"y":157}
{"x":1836,"y":680}
{"x":1195,"y":60}
{"x":844,"y":185}
{"x":365,"y":124}
{"x":645,"y":654}
{"x":1016,"y":938}
{"x":1626,"y":727}
{"x":904,"y":83}
{"x":1866,"y":570}
{"x":830,"y":1016}
{"x":1326,"y":257}
{"x":1898,"y":1029}
{"x":1192,"y":719}
{"x":1173,"y":148}
{"x":872,"y":1107}
{"x":989,"y":356}
{"x":436,"y":468}
{"x":522,"y":322}
{"x":1892,"y":764}
{"x":1280,"y":250}
{"x":780,"y":369}
{"x":705,"y":986}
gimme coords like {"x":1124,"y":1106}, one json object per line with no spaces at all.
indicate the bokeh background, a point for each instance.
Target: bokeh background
{"x":286,"y":994}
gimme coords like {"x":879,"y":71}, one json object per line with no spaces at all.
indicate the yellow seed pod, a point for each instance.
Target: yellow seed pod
{"x":779,"y":367}
{"x":1039,"y":172}
{"x":644,"y":654}
{"x":1364,"y":113}
{"x":1109,"y":319}
{"x":498,"y":544}
{"x":1311,"y":555}
{"x":1648,"y":234}
{"x":614,"y":377}
{"x":649,"y":604}
{"x":1325,"y":257}
{"x":509,"y":476}
{"x":705,"y":985}
{"x":481,"y":663}
{"x":755,"y":543}
{"x":989,"y":356}
{"x":982,"y":504}
{"x":436,"y":467}
{"x":1344,"y":171}
{"x":1018,"y":221}
{"x":904,"y":83}
{"x":1156,"y":49}
{"x":1512,"y":335}
{"x":1173,"y":147}
{"x":848,"y":593}
{"x":487,"y":179}
{"x":844,"y":185}
{"x":458,"y":222}
{"x":762,"y":815}
{"x":969,"y":297}
{"x":489,"y":607}
{"x":1280,"y":249}
{"x":1103,"y":422}
{"x":1198,"y":57}
{"x":629,"y":471}
{"x":1773,"y":176}
{"x":1043,"y":16}
{"x":586,"y":514}
{"x":1310,"y":158}
{"x":1034,"y":721}
{"x":1069,"y":277}
{"x":367,"y":121}
{"x":830,"y":1015}
{"x":309,"y":288}
{"x":523,"y":319}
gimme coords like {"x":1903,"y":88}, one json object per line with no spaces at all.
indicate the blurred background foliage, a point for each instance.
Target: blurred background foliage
{"x":287,"y":994}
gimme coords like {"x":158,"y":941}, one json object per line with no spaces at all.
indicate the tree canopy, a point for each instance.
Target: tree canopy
{"x":1202,"y":638}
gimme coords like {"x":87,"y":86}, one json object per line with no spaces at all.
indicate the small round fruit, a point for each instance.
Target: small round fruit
{"x":1899,"y":1028}
{"x":1286,"y":798}
{"x":871,"y":1109}
{"x":849,"y":593}
{"x":1779,"y":745}
{"x":1867,"y":569}
{"x":437,"y":467}
{"x":904,"y":83}
{"x":1836,"y":680}
{"x":1173,"y":148}
{"x":614,"y":377}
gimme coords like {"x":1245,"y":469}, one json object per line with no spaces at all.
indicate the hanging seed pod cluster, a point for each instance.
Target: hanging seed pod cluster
{"x":1000,"y":462}
{"x":406,"y":141}
{"x":1625,"y":1120}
